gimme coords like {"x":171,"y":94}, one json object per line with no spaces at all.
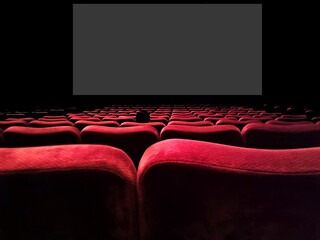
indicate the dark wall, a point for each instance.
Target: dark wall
{"x":38,"y":57}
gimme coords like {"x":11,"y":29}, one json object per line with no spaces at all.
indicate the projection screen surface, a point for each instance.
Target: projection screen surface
{"x":167,"y":49}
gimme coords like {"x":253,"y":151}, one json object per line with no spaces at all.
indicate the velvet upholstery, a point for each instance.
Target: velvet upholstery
{"x":159,"y":119}
{"x":156,"y":125}
{"x":292,"y":118}
{"x":133,"y":140}
{"x":276,"y":122}
{"x":198,"y":190}
{"x":27,"y":119}
{"x":226,"y":134}
{"x":198,"y":123}
{"x":67,"y":192}
{"x":214,"y":120}
{"x":53,"y":119}
{"x":39,"y":123}
{"x":271,"y":136}
{"x":122,"y":119}
{"x":239,"y":124}
{"x":5,"y":124}
{"x":74,"y":119}
{"x":185,"y":118}
{"x":17,"y":136}
{"x":81,"y":124}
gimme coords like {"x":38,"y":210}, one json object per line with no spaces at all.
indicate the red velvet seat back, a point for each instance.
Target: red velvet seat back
{"x":67,"y":192}
{"x":226,"y":134}
{"x":81,"y":124}
{"x":156,"y":125}
{"x":5,"y":124}
{"x":199,"y":123}
{"x":237,"y":123}
{"x":198,"y":190}
{"x":281,"y":136}
{"x":27,"y":119}
{"x":30,"y":136}
{"x":133,"y":140}
{"x":39,"y":123}
{"x":276,"y":122}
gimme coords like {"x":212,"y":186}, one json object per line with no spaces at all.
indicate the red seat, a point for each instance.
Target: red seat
{"x":159,"y":119}
{"x":55,"y":117}
{"x":67,"y":192}
{"x":39,"y":123}
{"x":292,"y":118}
{"x":110,"y":118}
{"x":74,"y":119}
{"x":27,"y":119}
{"x":188,"y":119}
{"x":226,"y":134}
{"x":156,"y":125}
{"x":263,"y":118}
{"x":122,"y":119}
{"x":198,"y":190}
{"x":199,"y":123}
{"x":237,"y":123}
{"x":133,"y":140}
{"x":5,"y":124}
{"x":52,"y":119}
{"x":214,"y":120}
{"x":81,"y":124}
{"x":276,"y":122}
{"x":17,"y":136}
{"x":270,"y":136}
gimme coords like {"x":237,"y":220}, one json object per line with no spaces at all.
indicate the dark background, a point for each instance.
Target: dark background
{"x":37,"y":66}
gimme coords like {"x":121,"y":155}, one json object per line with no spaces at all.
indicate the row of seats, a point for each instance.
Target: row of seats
{"x":171,"y":116}
{"x":80,"y":124}
{"x":134,"y":140}
{"x":189,"y":111}
{"x":183,"y":189}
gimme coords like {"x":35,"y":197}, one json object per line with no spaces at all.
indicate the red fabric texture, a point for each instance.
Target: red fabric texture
{"x":5,"y":124}
{"x":39,"y":123}
{"x":122,"y":119}
{"x":156,"y":125}
{"x":52,"y":119}
{"x":226,"y":134}
{"x":55,"y":117}
{"x":81,"y":124}
{"x":184,"y":118}
{"x":133,"y":140}
{"x":67,"y":192}
{"x":17,"y":136}
{"x":198,"y":123}
{"x":77,"y":118}
{"x":276,"y":122}
{"x":159,"y":119}
{"x":237,"y":123}
{"x":271,"y":136}
{"x":292,"y":118}
{"x":198,"y":190}
{"x":27,"y":119}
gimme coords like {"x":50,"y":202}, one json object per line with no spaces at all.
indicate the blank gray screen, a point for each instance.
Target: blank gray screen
{"x":167,"y":49}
